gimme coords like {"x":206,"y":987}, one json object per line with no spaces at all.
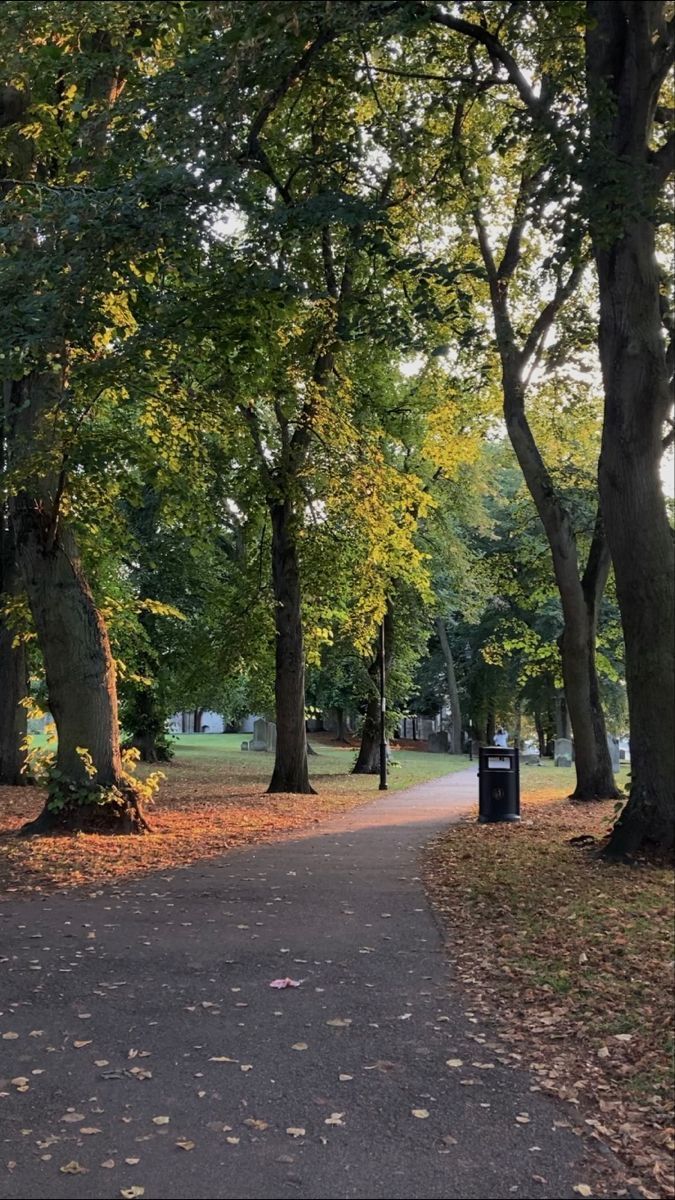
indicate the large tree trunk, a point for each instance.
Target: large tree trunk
{"x":343,"y":733}
{"x":629,"y":50}
{"x":453,"y":691}
{"x":368,"y":758}
{"x":13,"y":672}
{"x":79,"y":667}
{"x":579,"y":598}
{"x":291,"y":772}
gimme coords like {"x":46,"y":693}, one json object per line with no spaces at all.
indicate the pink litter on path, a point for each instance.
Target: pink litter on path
{"x":284,"y":983}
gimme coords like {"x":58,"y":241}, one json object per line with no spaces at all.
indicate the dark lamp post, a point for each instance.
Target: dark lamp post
{"x":383,"y":715}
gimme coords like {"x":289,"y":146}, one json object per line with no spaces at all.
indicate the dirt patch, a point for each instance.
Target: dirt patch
{"x":196,"y":816}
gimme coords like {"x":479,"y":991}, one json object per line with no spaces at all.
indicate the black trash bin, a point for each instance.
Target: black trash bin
{"x":498,"y":784}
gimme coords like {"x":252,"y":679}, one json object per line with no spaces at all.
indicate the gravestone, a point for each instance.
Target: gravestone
{"x":271,"y":737}
{"x":259,"y":740}
{"x":562,"y":752}
{"x":244,"y":745}
{"x":530,"y":757}
{"x":614,"y":752}
{"x":438,"y":742}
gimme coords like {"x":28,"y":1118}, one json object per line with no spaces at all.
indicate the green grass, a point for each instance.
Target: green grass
{"x":221,"y":752}
{"x":537,"y":778}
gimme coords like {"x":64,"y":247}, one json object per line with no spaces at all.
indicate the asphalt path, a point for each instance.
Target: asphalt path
{"x":142,"y":1047}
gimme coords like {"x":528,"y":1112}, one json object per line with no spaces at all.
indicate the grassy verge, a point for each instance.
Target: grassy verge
{"x":574,"y":958}
{"x":213,"y":798}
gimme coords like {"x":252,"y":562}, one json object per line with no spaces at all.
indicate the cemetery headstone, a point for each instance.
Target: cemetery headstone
{"x":438,"y":742}
{"x":259,"y":740}
{"x":562,"y":752}
{"x":614,"y":752}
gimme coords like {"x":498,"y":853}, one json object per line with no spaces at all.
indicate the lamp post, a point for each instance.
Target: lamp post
{"x":383,"y":714}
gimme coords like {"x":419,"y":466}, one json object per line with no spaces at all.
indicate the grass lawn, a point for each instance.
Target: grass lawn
{"x":213,"y":798}
{"x":573,"y":957}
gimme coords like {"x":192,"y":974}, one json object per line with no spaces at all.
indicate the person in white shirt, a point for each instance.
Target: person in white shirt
{"x":501,"y":737}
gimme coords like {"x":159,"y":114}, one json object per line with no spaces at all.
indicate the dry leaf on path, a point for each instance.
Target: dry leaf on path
{"x":161,"y":1120}
{"x":296,"y":1131}
{"x":131,"y":1193}
{"x":286,"y":983}
{"x":339,"y":1022}
{"x":299,"y":1046}
{"x":73,"y":1168}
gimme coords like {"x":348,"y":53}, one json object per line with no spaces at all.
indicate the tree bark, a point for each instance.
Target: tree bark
{"x":197,"y":720}
{"x":13,"y":672}
{"x":291,"y":772}
{"x":629,"y":50}
{"x":343,"y":733}
{"x":368,"y":758}
{"x":579,"y":598}
{"x":79,"y":667}
{"x":453,"y":691}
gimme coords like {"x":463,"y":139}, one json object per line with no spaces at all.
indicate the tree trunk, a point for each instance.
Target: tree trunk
{"x":579,"y":598}
{"x":368,"y":758}
{"x":629,"y":52}
{"x":490,"y":728}
{"x":343,"y":733}
{"x":541,"y":734}
{"x":453,"y":691}
{"x":13,"y":672}
{"x":79,"y":667}
{"x":197,"y":720}
{"x":291,"y":772}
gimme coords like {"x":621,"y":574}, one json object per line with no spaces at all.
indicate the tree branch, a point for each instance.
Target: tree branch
{"x":597,"y":567}
{"x":550,"y":311}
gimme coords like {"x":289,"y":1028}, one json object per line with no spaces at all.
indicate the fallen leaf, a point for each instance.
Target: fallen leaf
{"x":79,"y":1045}
{"x":246,"y":1067}
{"x":88,"y":1129}
{"x":184,"y":1144}
{"x":222,"y":1058}
{"x":582,"y":1189}
{"x":131,"y":1193}
{"x":255,"y":1124}
{"x":9,"y":1037}
{"x":299,"y":1046}
{"x":339,"y":1022}
{"x":233,"y":1141}
{"x":334,"y":1119}
{"x":101,"y":1062}
{"x":71,"y":1117}
{"x":161,"y":1120}
{"x":345,"y":1078}
{"x":296,"y":1131}
{"x":132,"y":1162}
{"x":286,"y":983}
{"x":108,"y":1164}
{"x":73,"y":1168}
{"x":420,"y":1113}
{"x":454,"y":1062}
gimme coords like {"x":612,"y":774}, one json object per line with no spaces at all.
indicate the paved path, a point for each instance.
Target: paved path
{"x":170,"y":975}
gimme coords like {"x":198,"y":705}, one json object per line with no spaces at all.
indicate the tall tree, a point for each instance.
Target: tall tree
{"x":67,"y":214}
{"x":619,"y":159}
